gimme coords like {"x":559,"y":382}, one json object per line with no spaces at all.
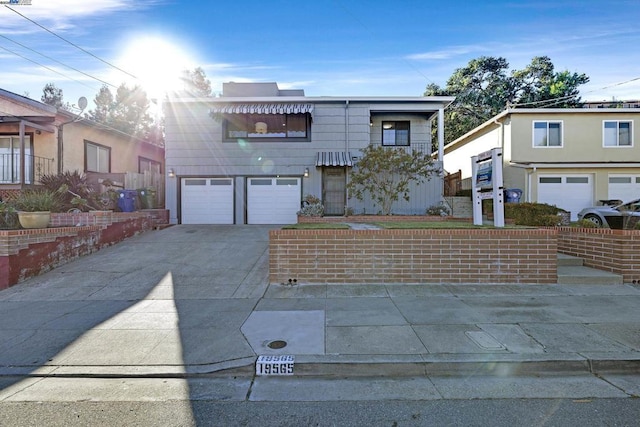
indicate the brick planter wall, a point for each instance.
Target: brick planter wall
{"x":617,"y":251}
{"x":359,"y":219}
{"x":413,"y":256}
{"x":27,"y":253}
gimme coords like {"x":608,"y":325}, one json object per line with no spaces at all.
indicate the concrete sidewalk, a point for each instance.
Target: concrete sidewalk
{"x":191,"y":300}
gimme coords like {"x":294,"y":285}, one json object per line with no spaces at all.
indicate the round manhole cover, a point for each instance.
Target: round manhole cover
{"x":277,"y":344}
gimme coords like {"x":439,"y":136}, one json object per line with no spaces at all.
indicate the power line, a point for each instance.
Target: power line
{"x":45,"y":67}
{"x":71,"y":43}
{"x":55,"y":60}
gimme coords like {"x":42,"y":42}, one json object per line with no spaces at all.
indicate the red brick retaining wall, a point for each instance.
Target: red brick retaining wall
{"x":413,"y":256}
{"x":617,"y":251}
{"x":27,"y":253}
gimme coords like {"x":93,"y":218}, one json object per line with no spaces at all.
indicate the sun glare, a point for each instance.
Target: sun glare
{"x":157,"y":63}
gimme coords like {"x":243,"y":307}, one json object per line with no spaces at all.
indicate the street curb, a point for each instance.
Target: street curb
{"x":365,"y":366}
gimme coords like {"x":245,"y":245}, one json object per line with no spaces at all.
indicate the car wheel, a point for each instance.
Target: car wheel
{"x":594,"y":219}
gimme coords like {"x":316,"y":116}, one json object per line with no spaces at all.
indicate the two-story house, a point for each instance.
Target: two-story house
{"x":37,"y":139}
{"x":250,"y":155}
{"x":571,"y":158}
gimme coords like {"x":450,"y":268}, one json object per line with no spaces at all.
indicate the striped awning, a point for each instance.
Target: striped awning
{"x":334,"y":158}
{"x":262,"y":109}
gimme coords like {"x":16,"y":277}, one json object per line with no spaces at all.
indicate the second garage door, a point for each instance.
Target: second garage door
{"x":624,"y":187}
{"x":272,"y":200}
{"x":569,"y":192}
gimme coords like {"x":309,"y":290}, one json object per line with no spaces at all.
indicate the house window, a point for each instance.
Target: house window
{"x":257,"y":127}
{"x":395,"y":133}
{"x":97,"y":158}
{"x":145,"y":165}
{"x":617,"y":133}
{"x":10,"y":159}
{"x":547,"y":134}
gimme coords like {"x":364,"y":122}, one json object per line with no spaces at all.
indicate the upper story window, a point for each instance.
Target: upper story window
{"x":547,"y":134}
{"x":396,"y":133}
{"x":97,"y":158}
{"x":617,"y":133}
{"x":258,"y":127}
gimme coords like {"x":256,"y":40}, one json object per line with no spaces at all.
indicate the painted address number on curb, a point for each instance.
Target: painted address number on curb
{"x":275,"y":365}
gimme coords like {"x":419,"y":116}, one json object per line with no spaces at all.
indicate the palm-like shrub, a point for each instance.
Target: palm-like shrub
{"x":37,"y":200}
{"x":74,"y":191}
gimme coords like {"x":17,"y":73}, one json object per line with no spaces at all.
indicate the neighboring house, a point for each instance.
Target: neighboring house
{"x":571,"y":158}
{"x":37,"y":139}
{"x":250,"y":156}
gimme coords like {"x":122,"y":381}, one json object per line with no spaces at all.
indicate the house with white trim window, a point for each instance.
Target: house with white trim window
{"x":572,"y":158}
{"x":252,"y":154}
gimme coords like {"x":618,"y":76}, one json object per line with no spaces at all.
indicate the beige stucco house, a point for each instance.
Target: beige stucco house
{"x":37,"y":139}
{"x":571,"y":158}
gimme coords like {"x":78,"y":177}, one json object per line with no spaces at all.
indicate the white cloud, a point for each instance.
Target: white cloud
{"x":62,"y":14}
{"x":449,"y":52}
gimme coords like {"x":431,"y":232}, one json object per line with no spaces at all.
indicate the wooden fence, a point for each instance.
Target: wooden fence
{"x":130,"y":181}
{"x":452,"y":183}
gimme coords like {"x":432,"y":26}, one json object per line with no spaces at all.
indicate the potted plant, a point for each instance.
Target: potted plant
{"x":34,"y":207}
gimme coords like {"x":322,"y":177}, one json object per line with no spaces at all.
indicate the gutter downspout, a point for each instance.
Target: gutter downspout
{"x":61,"y":142}
{"x":530,"y":171}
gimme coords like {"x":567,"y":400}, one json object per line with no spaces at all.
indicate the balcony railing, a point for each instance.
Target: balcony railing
{"x":421,"y":147}
{"x":35,"y":168}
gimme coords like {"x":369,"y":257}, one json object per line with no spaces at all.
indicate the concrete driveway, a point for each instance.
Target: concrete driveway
{"x":161,"y":298}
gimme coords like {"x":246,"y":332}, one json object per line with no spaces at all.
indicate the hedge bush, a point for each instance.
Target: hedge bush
{"x":533,"y":214}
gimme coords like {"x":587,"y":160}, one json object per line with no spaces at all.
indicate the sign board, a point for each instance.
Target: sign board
{"x":275,"y":365}
{"x":486,"y":171}
{"x":484,"y":175}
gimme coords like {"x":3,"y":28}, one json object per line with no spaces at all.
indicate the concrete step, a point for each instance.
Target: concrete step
{"x":581,"y":275}
{"x":569,"y":260}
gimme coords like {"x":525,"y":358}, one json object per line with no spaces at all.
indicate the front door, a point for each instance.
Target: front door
{"x":334,"y":181}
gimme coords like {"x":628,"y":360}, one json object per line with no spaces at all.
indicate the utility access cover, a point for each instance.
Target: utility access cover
{"x":285,"y":332}
{"x":484,"y":340}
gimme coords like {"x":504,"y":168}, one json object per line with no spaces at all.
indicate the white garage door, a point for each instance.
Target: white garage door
{"x":624,"y":187}
{"x":569,"y":192}
{"x":207,"y":201}
{"x":273,"y":200}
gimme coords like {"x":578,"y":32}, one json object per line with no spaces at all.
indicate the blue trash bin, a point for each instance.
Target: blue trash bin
{"x":127,"y":200}
{"x":512,"y":195}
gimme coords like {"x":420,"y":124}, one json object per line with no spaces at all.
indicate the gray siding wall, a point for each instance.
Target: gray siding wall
{"x":194,"y":147}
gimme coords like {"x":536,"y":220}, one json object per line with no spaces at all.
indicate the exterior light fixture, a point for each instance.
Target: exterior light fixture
{"x":306,"y":172}
{"x":172,"y":173}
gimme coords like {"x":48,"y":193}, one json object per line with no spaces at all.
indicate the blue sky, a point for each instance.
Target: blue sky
{"x":326,"y":47}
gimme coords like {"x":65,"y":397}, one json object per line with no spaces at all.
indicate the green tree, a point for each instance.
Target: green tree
{"x":127,"y":111}
{"x":130,"y":113}
{"x":196,"y":83}
{"x":385,"y":174}
{"x":104,"y":105}
{"x":484,"y":88}
{"x":52,"y":95}
{"x":539,"y":85}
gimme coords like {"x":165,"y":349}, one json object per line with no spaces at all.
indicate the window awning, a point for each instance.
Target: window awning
{"x":263,"y":109}
{"x":334,"y":158}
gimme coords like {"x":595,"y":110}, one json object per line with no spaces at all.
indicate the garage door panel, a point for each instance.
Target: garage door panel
{"x":273,"y":200}
{"x":624,"y":187}
{"x":568,"y":192}
{"x":207,"y":201}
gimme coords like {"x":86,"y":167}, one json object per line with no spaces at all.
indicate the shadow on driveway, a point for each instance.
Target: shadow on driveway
{"x":171,"y":300}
